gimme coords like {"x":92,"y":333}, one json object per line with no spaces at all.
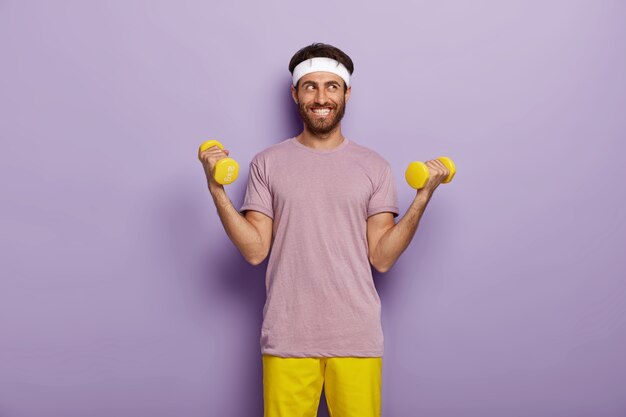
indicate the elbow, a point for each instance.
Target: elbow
{"x":256,"y":260}
{"x":379,"y":267}
{"x":252,"y":261}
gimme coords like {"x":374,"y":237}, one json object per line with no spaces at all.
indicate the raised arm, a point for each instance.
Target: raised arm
{"x":252,"y":233}
{"x":387,"y":240}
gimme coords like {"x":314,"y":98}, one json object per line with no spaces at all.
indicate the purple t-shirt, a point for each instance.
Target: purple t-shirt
{"x":321,"y":299}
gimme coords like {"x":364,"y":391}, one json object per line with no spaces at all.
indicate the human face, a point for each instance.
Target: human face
{"x":321,"y":101}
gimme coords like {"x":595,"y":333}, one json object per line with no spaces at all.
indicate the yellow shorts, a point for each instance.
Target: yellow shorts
{"x":292,"y":386}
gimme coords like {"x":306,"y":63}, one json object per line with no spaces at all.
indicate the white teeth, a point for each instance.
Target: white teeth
{"x":322,"y":112}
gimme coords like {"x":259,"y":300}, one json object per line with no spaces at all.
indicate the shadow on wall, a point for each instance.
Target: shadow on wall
{"x":290,"y":122}
{"x":218,"y":288}
{"x":244,"y":285}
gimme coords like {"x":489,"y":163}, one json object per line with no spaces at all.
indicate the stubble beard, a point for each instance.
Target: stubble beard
{"x":320,"y":126}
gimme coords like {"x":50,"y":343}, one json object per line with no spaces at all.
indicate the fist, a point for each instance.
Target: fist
{"x":437,"y":174}
{"x":209,"y":158}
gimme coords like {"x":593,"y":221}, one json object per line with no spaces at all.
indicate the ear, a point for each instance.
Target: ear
{"x":294,"y":94}
{"x":347,"y":94}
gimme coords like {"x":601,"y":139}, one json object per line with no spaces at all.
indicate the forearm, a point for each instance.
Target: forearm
{"x":397,"y":238}
{"x":241,"y":232}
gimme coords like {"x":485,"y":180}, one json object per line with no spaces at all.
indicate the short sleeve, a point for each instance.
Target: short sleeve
{"x":258,"y":196}
{"x":385,"y":197}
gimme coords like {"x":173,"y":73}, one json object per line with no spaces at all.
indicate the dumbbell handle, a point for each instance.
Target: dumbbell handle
{"x":226,"y":169}
{"x":417,"y":174}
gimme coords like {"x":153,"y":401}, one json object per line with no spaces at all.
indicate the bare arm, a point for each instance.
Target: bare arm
{"x":387,"y":240}
{"x":251,"y":234}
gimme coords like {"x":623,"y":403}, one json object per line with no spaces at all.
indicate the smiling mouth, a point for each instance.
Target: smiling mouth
{"x":321,"y":111}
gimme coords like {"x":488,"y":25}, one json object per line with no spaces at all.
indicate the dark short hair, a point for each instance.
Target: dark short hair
{"x":321,"y":50}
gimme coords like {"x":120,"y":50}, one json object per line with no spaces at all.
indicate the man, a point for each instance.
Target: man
{"x":325,"y":206}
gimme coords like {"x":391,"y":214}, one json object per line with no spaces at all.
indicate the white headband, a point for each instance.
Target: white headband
{"x":320,"y":64}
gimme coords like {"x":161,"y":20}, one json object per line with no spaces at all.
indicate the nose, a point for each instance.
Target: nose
{"x":320,"y":96}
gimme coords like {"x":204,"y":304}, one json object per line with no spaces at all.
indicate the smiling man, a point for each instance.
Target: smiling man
{"x":323,"y":208}
{"x":321,"y":97}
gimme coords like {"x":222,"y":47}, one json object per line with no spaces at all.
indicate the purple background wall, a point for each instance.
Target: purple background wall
{"x":121,"y":294}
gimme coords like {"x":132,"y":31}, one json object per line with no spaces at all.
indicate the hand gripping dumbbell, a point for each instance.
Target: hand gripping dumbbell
{"x":226,"y":169}
{"x":417,"y":173}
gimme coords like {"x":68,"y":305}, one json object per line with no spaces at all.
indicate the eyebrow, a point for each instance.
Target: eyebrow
{"x":314,"y":83}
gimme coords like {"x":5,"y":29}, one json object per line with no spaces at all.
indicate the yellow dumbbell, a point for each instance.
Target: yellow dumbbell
{"x":417,"y":173}
{"x":226,"y":169}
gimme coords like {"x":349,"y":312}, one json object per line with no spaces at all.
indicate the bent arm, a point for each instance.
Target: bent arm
{"x":387,"y":240}
{"x":251,"y":234}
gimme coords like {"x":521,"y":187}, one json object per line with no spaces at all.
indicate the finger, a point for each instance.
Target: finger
{"x":432,"y":166}
{"x":436,"y":171}
{"x":213,"y":153}
{"x":444,"y":168}
{"x":439,"y":167}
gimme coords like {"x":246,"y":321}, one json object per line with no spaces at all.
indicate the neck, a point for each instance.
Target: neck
{"x":326,"y":141}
